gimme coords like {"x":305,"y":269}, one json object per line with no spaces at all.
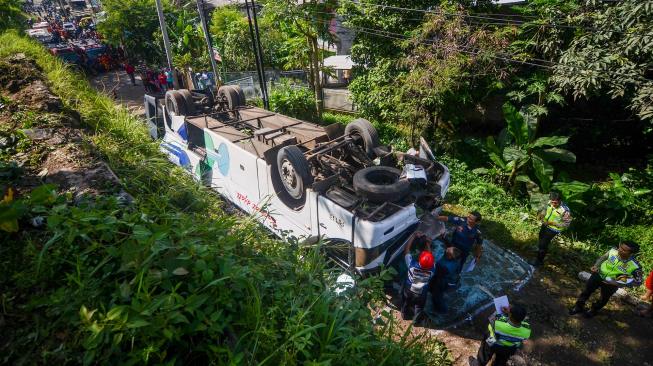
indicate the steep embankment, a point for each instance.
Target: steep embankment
{"x":144,"y":267}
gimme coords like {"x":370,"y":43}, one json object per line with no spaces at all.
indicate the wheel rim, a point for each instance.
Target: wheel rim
{"x":290,"y":179}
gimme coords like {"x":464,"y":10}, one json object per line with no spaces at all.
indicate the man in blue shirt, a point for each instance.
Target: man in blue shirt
{"x":446,"y":277}
{"x":420,"y":271}
{"x":466,"y":235}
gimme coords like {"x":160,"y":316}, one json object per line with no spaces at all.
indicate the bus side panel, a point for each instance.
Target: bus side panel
{"x":334,"y":221}
{"x":231,"y":171}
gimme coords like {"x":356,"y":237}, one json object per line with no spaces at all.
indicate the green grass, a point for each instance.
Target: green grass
{"x":511,"y":223}
{"x":171,"y":279}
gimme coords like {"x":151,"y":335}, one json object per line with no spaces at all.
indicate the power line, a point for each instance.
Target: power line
{"x":517,"y":22}
{"x":401,"y":37}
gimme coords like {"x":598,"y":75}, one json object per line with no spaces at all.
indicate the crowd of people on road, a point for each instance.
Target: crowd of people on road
{"x":508,"y":329}
{"x":154,"y":79}
{"x":73,"y":38}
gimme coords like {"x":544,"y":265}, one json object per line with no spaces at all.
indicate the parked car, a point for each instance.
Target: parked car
{"x":299,"y":179}
{"x":68,"y":27}
{"x":65,"y":52}
{"x":41,"y":25}
{"x":42,"y":35}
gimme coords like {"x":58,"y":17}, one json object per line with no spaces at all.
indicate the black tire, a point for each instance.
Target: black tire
{"x":381,"y":184}
{"x":230,"y":95}
{"x":175,"y":103}
{"x":241,"y":94}
{"x":188,"y":100}
{"x":363,"y":130}
{"x":294,"y":175}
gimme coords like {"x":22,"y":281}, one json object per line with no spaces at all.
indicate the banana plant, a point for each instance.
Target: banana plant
{"x":518,"y":152}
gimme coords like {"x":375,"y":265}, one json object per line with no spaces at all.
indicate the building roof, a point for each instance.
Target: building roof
{"x":340,"y":62}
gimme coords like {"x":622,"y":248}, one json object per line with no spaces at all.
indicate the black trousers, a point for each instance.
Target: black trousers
{"x":486,"y":351}
{"x":595,"y":282}
{"x":545,"y":238}
{"x":412,"y":304}
{"x":437,"y":288}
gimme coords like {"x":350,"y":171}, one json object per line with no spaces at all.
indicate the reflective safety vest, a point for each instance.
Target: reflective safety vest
{"x":614,"y":266}
{"x":504,"y":334}
{"x":556,"y":216}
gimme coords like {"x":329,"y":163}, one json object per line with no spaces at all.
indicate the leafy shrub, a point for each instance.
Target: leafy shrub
{"x":294,"y":101}
{"x":624,"y":199}
{"x":113,"y":285}
{"x":329,"y":118}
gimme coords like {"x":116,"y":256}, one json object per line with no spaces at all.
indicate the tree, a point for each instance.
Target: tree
{"x":450,"y":64}
{"x":309,"y":20}
{"x":374,"y":88}
{"x":132,"y":24}
{"x":187,"y":41}
{"x":230,"y":32}
{"x":613,"y":57}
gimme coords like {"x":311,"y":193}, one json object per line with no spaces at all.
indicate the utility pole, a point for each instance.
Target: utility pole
{"x":260,"y":53}
{"x":166,"y":43}
{"x":257,"y":55}
{"x":207,"y":36}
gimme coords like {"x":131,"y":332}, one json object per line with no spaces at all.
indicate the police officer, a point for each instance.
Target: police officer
{"x":507,"y":334}
{"x":466,"y":236}
{"x":555,"y":217}
{"x":616,"y":268}
{"x":420,"y":271}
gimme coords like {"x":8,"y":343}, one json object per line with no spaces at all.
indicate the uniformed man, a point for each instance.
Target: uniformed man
{"x":506,"y":334}
{"x":555,"y":219}
{"x":420,"y":271}
{"x":616,"y":268}
{"x":466,"y":235}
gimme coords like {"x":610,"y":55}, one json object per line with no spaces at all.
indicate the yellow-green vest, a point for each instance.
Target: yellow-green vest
{"x":614,"y":266}
{"x":555,"y":215}
{"x":507,"y":335}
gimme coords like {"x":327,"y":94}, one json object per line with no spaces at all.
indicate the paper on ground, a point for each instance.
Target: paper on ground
{"x":500,"y":302}
{"x":472,"y":264}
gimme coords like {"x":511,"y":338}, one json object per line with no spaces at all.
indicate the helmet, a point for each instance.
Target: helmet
{"x":426,"y":260}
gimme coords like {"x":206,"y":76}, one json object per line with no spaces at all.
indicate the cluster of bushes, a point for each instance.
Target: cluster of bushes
{"x":294,"y":100}
{"x":170,"y":278}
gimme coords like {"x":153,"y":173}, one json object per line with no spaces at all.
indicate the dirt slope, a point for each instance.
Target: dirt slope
{"x":44,"y":137}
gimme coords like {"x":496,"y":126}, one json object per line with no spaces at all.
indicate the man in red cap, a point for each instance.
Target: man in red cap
{"x":420,"y":271}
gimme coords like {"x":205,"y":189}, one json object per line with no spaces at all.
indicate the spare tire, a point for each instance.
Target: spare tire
{"x":230,"y":96}
{"x":188,"y":100}
{"x":294,"y":174}
{"x":175,"y":103}
{"x":362,"y":130}
{"x":381,"y":184}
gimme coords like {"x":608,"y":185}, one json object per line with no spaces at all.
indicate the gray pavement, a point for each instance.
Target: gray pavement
{"x":116,"y":84}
